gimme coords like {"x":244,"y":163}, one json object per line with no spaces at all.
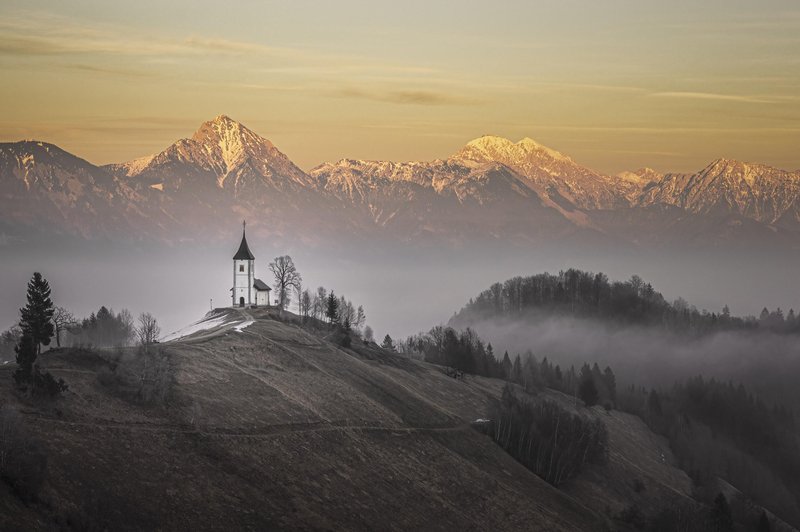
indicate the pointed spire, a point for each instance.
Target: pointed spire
{"x":244,"y":250}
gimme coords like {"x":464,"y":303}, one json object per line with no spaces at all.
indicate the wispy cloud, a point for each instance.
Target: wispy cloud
{"x":710,"y":96}
{"x":412,"y":97}
{"x":110,"y":70}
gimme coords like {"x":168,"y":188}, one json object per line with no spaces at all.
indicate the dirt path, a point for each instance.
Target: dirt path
{"x":267,"y":431}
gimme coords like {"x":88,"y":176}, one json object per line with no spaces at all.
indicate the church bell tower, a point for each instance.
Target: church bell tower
{"x":243,"y":293}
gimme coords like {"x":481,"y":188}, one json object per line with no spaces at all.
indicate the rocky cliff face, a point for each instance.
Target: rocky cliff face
{"x":492,"y":188}
{"x":755,"y":191}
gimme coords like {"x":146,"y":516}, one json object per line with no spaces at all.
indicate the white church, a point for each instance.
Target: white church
{"x":247,"y":291}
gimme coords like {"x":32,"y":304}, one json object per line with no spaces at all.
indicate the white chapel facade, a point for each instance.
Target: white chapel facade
{"x":247,"y":291}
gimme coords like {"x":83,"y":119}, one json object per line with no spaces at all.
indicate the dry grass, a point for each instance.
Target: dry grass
{"x":275,"y":427}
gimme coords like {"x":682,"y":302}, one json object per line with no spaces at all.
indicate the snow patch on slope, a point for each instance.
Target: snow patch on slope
{"x":203,"y":325}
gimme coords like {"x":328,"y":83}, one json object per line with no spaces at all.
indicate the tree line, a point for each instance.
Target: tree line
{"x":321,"y":305}
{"x":546,"y":438}
{"x":592,"y":295}
{"x":466,"y":352}
{"x":718,"y":429}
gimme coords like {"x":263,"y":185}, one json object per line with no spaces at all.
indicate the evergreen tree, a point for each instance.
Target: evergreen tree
{"x":611,"y":383}
{"x":506,"y":366}
{"x":388,"y":343}
{"x":37,"y":315}
{"x":516,"y":371}
{"x":588,"y":391}
{"x":346,"y":340}
{"x":26,"y":356}
{"x":721,"y":517}
{"x":37,"y":329}
{"x":763,"y":523}
{"x":654,"y":403}
{"x":332,"y":308}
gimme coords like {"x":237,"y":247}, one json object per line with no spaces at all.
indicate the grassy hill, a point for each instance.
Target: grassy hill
{"x":258,"y":423}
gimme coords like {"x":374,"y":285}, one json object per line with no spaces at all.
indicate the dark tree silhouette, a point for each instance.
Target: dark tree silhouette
{"x":37,"y":315}
{"x":62,"y":320}
{"x":332,"y":308}
{"x":721,"y":517}
{"x":763,"y":523}
{"x":37,"y":329}
{"x":388,"y":343}
{"x":506,"y":365}
{"x":26,"y":357}
{"x":588,"y":392}
{"x":287,"y":278}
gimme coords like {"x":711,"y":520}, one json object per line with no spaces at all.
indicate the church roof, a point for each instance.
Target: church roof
{"x":258,"y":284}
{"x":244,"y":251}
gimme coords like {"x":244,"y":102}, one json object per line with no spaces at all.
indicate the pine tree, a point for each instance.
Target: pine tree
{"x":37,"y":329}
{"x":763,"y":523}
{"x":611,"y":383}
{"x":26,"y":356}
{"x":588,"y":391}
{"x":37,"y":315}
{"x":516,"y":371}
{"x":654,"y":403}
{"x":721,"y":517}
{"x":506,"y":366}
{"x":332,"y":308}
{"x":388,"y":343}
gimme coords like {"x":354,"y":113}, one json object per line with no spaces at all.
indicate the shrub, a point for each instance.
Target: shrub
{"x":23,"y":463}
{"x":45,"y":385}
{"x":632,"y":516}
{"x":145,"y":378}
{"x":345,"y":341}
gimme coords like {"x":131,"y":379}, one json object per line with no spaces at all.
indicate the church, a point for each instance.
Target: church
{"x":247,"y":291}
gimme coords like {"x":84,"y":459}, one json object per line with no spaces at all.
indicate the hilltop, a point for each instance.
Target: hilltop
{"x":267,"y":424}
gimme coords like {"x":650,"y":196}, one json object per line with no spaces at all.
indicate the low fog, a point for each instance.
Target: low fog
{"x":406,"y":290}
{"x":767,"y":362}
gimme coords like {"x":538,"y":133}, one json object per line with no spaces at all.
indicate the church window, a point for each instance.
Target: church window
{"x":241,"y":267}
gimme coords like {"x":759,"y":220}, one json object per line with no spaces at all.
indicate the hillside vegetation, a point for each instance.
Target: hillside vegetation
{"x":260,"y":423}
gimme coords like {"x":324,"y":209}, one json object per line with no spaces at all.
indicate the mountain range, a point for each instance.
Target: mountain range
{"x":492,"y":189}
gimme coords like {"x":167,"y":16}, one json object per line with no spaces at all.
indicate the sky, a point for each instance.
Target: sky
{"x":617,"y":85}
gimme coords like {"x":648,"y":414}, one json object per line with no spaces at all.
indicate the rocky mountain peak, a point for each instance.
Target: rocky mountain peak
{"x":226,"y":138}
{"x":641,"y":176}
{"x":501,"y":149}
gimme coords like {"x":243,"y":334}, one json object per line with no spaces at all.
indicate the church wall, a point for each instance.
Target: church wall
{"x":243,"y":281}
{"x":261,"y":298}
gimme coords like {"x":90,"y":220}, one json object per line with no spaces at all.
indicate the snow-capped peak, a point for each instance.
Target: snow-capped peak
{"x":642,"y":176}
{"x":500,"y":148}
{"x":232,"y":140}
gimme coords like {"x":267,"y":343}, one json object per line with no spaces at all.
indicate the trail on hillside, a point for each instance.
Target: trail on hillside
{"x":266,"y":431}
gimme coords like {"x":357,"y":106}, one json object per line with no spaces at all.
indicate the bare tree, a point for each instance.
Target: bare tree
{"x":361,"y":318}
{"x":148,"y":330}
{"x":287,"y":279}
{"x":368,"y":334}
{"x":8,"y":340}
{"x":305,"y":303}
{"x":127,"y":326}
{"x":62,"y":321}
{"x":320,"y":303}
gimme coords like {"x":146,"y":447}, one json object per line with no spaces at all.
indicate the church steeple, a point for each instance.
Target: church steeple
{"x":244,"y":250}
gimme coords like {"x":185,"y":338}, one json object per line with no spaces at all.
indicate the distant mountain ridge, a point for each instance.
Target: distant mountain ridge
{"x":492,"y":188}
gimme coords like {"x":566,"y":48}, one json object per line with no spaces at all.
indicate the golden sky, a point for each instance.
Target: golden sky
{"x":617,"y":84}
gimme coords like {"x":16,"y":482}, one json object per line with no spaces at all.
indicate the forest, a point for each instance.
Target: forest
{"x":716,"y":429}
{"x":592,"y":295}
{"x":546,"y":438}
{"x":720,"y":429}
